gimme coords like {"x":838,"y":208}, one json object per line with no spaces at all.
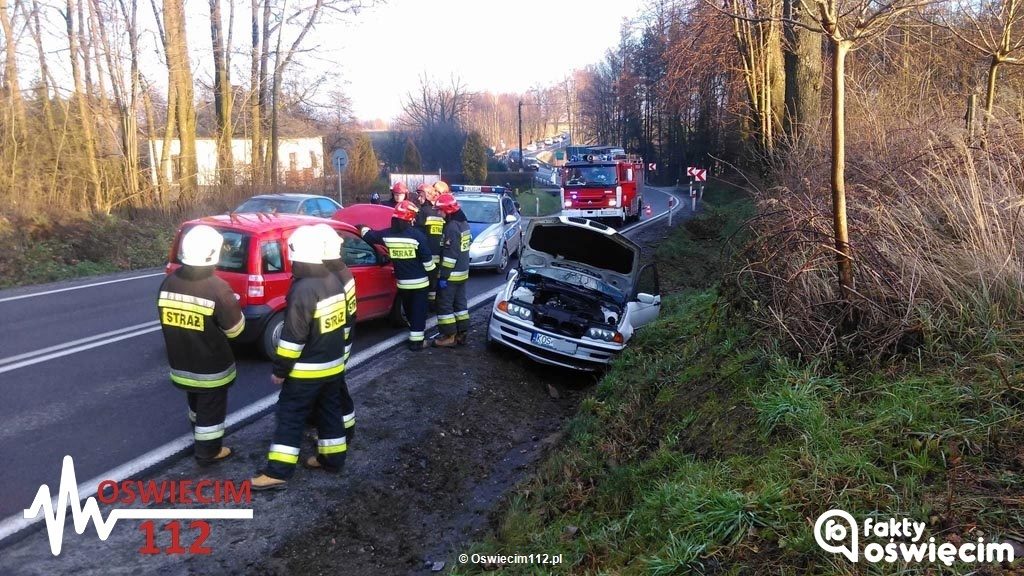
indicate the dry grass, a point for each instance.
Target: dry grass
{"x":936,"y":247}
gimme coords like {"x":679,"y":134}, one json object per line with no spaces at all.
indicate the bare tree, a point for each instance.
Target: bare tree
{"x":994,"y":30}
{"x":11,"y":86}
{"x":84,"y":113}
{"x":222,"y":97}
{"x":179,"y":72}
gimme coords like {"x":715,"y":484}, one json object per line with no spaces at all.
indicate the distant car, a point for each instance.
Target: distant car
{"x":306,"y":204}
{"x":254,"y":262}
{"x":531,"y":147}
{"x":532,"y":164}
{"x":577,"y":296}
{"x":494,"y":222}
{"x":549,"y":141}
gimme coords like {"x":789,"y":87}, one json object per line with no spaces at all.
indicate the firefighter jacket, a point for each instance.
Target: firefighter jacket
{"x":455,"y":248}
{"x":431,"y":223}
{"x":198,"y":314}
{"x":312,"y":345}
{"x":348,"y":284}
{"x":408,"y":250}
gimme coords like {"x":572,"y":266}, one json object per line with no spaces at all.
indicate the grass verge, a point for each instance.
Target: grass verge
{"x":706,"y":450}
{"x":40,"y":249}
{"x":539,"y":202}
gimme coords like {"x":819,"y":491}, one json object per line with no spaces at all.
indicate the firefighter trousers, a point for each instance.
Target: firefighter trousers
{"x":297,"y":400}
{"x":452,"y":309}
{"x":432,"y":277}
{"x":348,"y":409}
{"x":207,"y":411}
{"x":414,"y":302}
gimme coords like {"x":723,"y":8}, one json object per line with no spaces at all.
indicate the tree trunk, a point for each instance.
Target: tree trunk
{"x":222,"y":99}
{"x":990,"y":97}
{"x":264,"y":86}
{"x":844,"y":257}
{"x":803,"y":70}
{"x":11,"y":86}
{"x":157,"y":165}
{"x":44,"y":72}
{"x":84,"y":114}
{"x":180,"y":77}
{"x":255,"y":98}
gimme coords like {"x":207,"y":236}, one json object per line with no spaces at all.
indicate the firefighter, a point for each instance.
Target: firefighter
{"x":399,"y":192}
{"x":411,"y":257}
{"x":309,"y":365}
{"x":452,"y":307}
{"x":430,"y":222}
{"x":198,"y":315}
{"x":334,"y":261}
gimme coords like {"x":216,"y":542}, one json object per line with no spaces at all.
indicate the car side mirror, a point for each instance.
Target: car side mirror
{"x":510,"y":219}
{"x":645,"y":298}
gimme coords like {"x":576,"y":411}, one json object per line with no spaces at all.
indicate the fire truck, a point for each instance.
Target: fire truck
{"x":602,"y":182}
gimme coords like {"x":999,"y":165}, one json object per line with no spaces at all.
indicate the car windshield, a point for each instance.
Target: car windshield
{"x":581,"y":280}
{"x":281,"y":205}
{"x":591,"y":175}
{"x":481,"y":211}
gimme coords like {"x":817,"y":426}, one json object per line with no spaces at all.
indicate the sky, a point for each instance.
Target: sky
{"x":508,"y":46}
{"x":377,"y":57}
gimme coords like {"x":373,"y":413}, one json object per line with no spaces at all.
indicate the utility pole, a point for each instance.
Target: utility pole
{"x":522,"y":161}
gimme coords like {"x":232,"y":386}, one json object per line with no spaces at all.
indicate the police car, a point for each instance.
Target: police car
{"x":495,"y":223}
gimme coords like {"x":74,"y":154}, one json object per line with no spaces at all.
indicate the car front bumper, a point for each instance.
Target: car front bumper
{"x":594,"y":213}
{"x":484,"y":257}
{"x":568,"y":352}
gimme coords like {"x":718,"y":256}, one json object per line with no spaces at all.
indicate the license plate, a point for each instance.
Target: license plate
{"x":553,"y":343}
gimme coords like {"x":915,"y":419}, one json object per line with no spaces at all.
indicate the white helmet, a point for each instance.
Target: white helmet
{"x":201,"y":246}
{"x":306,"y":244}
{"x":332,"y":241}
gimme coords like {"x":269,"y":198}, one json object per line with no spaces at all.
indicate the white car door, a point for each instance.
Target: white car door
{"x":646,"y":303}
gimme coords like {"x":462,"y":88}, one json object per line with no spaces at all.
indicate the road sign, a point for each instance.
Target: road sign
{"x":653,"y":166}
{"x":689,"y":171}
{"x":339,"y":158}
{"x":700,"y":174}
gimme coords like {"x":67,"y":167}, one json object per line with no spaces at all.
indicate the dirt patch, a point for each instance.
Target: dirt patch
{"x":436,"y":489}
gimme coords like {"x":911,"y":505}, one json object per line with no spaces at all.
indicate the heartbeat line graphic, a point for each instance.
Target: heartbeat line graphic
{"x":67,"y":494}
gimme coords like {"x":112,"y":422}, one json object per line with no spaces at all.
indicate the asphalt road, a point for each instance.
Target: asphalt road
{"x":83,"y":371}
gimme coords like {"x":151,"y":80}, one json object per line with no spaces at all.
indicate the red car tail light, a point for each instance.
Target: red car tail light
{"x":254,"y":288}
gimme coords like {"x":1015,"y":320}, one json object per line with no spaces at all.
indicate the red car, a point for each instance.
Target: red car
{"x":254,"y":262}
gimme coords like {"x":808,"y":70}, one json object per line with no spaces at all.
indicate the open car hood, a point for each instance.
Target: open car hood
{"x":570,"y":242}
{"x":373,"y":215}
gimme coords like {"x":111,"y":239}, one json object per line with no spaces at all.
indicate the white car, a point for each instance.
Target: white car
{"x":577,"y":296}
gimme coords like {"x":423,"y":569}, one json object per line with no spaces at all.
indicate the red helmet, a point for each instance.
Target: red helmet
{"x":441,"y":188}
{"x":400,"y":188}
{"x":447,"y":204}
{"x":406,"y":210}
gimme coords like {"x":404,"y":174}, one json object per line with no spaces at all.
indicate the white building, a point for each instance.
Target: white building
{"x":300,"y":160}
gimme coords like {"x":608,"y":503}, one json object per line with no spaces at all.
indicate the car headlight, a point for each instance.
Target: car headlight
{"x":611,"y":202}
{"x":487,"y":242}
{"x":515,"y":310}
{"x":604,"y":334}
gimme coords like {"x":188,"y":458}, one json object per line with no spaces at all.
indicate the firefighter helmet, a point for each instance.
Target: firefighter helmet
{"x":447,"y":204}
{"x":441,"y":188}
{"x":332,"y":241}
{"x":399,"y":188}
{"x":201,"y":246}
{"x":406,"y":210}
{"x":306,"y":244}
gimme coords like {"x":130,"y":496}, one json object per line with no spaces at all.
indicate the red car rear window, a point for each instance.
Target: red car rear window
{"x":234,"y":253}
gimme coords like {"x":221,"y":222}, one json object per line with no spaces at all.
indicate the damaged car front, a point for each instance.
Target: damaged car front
{"x":576,"y":298}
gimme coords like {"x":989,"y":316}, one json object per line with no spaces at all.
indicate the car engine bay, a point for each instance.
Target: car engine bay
{"x":563,"y":308}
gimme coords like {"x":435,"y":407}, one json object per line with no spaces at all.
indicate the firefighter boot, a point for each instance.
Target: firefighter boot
{"x":445,"y":341}
{"x":224,"y":454}
{"x":264,"y":482}
{"x":417,"y":345}
{"x":314,"y":463}
{"x":462,"y":338}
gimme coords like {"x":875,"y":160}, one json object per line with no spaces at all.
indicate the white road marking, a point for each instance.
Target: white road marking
{"x":16,"y":523}
{"x":72,"y":343}
{"x":152,"y":327}
{"x":23,"y":296}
